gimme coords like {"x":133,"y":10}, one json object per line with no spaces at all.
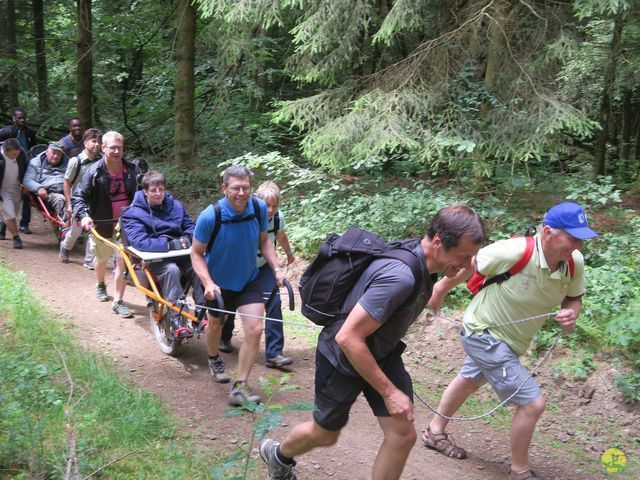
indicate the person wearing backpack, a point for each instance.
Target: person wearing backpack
{"x":361,"y":350}
{"x":73,"y":143}
{"x":223,"y":253}
{"x":76,"y":168}
{"x":273,"y":330}
{"x":553,"y":275}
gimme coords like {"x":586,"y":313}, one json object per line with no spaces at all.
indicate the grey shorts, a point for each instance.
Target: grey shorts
{"x":491,"y":360}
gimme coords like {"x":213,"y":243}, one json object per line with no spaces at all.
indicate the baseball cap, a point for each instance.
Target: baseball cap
{"x":571,"y":218}
{"x":56,"y":146}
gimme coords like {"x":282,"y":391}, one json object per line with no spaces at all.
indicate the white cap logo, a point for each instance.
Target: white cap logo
{"x":581,"y":218}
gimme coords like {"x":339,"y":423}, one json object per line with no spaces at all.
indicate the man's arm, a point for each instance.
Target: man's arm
{"x":446,"y":284}
{"x":352,"y":340}
{"x":30,"y":177}
{"x":66,"y":188}
{"x":201,"y":268}
{"x":269,"y":253}
{"x":283,"y":241}
{"x":80,"y":202}
{"x":569,"y":311}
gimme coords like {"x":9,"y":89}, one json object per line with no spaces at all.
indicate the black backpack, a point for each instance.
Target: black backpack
{"x":327,"y":281}
{"x":219,"y":222}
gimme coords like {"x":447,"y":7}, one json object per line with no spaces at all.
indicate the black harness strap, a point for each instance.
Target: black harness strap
{"x":217,"y":210}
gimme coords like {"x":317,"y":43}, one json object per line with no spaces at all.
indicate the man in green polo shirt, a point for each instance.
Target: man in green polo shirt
{"x":553,"y":276}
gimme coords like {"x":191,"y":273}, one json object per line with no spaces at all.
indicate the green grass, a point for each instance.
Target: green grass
{"x":52,"y":389}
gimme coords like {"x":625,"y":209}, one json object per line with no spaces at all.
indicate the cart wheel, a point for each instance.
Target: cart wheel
{"x":161,"y":331}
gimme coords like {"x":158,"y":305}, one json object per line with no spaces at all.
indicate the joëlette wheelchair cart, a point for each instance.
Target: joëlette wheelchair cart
{"x":138,"y":272}
{"x":59,"y":224}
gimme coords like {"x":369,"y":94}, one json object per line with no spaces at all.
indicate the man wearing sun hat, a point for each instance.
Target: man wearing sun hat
{"x":45,"y":177}
{"x":553,"y":276}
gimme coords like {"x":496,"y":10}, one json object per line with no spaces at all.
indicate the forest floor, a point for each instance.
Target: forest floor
{"x":582,"y":420}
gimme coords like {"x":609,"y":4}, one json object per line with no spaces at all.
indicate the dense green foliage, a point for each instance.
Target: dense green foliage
{"x":52,"y":390}
{"x":383,"y":112}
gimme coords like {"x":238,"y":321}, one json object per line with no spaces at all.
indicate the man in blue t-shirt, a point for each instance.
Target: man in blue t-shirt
{"x":228,"y":266}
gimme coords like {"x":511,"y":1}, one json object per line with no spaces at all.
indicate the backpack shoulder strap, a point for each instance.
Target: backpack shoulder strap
{"x":256,"y":210}
{"x":477,"y":282}
{"x":408,"y":258}
{"x":217,"y":211}
{"x":524,"y":259}
{"x":572,"y":267}
{"x":276,"y":222}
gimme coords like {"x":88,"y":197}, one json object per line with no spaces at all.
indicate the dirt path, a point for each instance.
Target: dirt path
{"x":184,"y":384}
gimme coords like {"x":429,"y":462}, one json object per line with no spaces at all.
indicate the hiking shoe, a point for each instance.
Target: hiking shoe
{"x":240,"y":394}
{"x":277,"y":469}
{"x":278,"y":361}
{"x":26,"y":230}
{"x":121,"y":309}
{"x":225,"y":346}
{"x":88,"y":264}
{"x":63,"y":254}
{"x":101,"y":292}
{"x":216,"y":367}
{"x":17,"y":243}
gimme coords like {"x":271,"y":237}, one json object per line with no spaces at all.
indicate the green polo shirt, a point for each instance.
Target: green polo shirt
{"x":533,"y":291}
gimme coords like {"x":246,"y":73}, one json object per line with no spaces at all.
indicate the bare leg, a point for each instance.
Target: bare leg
{"x":399,"y":438}
{"x":252,"y":325}
{"x":120,"y":281}
{"x":522,"y":427}
{"x":212,"y":334}
{"x":305,"y":437}
{"x":452,"y":399}
{"x":101,"y":269}
{"x":12,"y":226}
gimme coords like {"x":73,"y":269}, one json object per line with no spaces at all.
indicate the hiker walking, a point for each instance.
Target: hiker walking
{"x":223,"y":255}
{"x":552,"y":276}
{"x":363,"y":352}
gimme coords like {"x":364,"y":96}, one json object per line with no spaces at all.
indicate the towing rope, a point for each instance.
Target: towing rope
{"x":501,"y":404}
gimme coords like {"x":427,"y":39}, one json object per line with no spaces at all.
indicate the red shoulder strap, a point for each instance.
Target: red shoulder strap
{"x":526,"y":256}
{"x":572,"y":267}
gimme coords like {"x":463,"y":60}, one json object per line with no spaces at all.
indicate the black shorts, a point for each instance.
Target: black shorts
{"x":251,"y":293}
{"x":337,"y":392}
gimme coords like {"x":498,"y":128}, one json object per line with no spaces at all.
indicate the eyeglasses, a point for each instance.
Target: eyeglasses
{"x":240,"y":189}
{"x":156,"y":190}
{"x":114,"y":148}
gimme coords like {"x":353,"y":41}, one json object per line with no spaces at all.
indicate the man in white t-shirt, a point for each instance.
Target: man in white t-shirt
{"x":77,"y":167}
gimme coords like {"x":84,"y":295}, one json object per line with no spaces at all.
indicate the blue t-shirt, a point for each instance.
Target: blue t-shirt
{"x":232,"y":259}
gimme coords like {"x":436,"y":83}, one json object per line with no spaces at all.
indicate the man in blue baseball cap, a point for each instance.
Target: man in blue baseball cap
{"x":494,"y":338}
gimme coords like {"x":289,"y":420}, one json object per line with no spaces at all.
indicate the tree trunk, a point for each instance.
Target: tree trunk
{"x":84,"y":69}
{"x":496,"y":46}
{"x":184,"y":104}
{"x":600,"y":147}
{"x":627,"y":121}
{"x":41,"y":58}
{"x":12,"y":54}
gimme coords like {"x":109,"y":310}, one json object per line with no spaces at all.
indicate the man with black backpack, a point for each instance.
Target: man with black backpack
{"x":360,"y":351}
{"x":223,"y":255}
{"x":509,"y":308}
{"x":77,"y":167}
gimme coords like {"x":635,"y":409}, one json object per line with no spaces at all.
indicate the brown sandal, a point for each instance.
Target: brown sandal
{"x":443,"y":444}
{"x":526,"y":475}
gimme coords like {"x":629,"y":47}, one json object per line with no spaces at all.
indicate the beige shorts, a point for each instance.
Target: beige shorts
{"x":9,"y":205}
{"x":101,"y":250}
